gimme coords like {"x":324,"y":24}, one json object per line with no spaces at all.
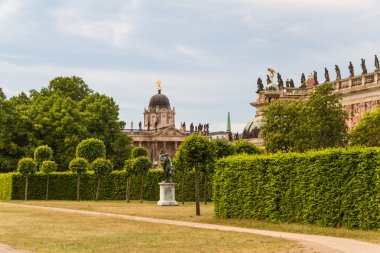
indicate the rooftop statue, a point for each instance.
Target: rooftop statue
{"x":338,"y":75}
{"x":260,"y":85}
{"x":351,"y":69}
{"x":280,"y":81}
{"x":287,"y":83}
{"x":327,"y":76}
{"x":315,"y":77}
{"x":268,"y":79}
{"x":377,"y":63}
{"x":291,"y":83}
{"x":364,"y":68}
{"x":303,"y":80}
{"x":271,"y":74}
{"x":158,"y":84}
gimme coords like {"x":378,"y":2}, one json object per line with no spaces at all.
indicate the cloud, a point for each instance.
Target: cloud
{"x":9,"y":7}
{"x":79,"y":19}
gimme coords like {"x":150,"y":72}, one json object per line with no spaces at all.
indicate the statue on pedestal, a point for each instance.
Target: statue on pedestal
{"x":327,"y":76}
{"x":351,"y":69}
{"x":338,"y":75}
{"x":167,"y":167}
{"x":364,"y":68}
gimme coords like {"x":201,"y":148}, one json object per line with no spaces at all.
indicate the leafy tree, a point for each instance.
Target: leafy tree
{"x":73,"y":87}
{"x":367,"y":131}
{"x":47,"y":167}
{"x":284,"y":126}
{"x":91,"y":149}
{"x":325,"y":119}
{"x":180,"y":168}
{"x":102,"y":167}
{"x":139,"y":151}
{"x":222,"y":148}
{"x":129,"y":169}
{"x":42,"y":153}
{"x":196,"y":152}
{"x":120,"y":150}
{"x":78,"y":166}
{"x":246,"y":147}
{"x":299,"y":126}
{"x":141,"y":165}
{"x":26,"y":167}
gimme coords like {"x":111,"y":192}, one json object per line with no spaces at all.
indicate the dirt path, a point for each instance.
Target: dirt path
{"x":318,"y":243}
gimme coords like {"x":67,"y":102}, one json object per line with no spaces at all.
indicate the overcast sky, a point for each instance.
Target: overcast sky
{"x":208,"y":54}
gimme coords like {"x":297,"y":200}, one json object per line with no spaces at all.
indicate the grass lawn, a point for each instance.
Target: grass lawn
{"x":187,"y":213}
{"x":48,"y":231}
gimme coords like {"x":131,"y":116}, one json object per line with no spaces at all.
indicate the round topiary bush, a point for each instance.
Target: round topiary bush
{"x":26,"y":166}
{"x":102,"y":167}
{"x":42,"y":153}
{"x":139,"y":151}
{"x":246,"y":147}
{"x":78,"y":166}
{"x":48,"y":166}
{"x":91,"y":149}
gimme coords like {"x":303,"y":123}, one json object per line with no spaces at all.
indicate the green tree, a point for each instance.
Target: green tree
{"x":196,"y":152}
{"x":284,"y":126}
{"x":139,"y":151}
{"x":73,"y":87}
{"x":367,"y":131}
{"x":42,"y":153}
{"x":47,"y":167}
{"x":102,"y":168}
{"x":26,"y":167}
{"x":246,"y":147}
{"x":180,"y":167}
{"x":79,"y":167}
{"x":222,"y":148}
{"x":129,"y":169}
{"x":141,"y":165}
{"x":120,"y":150}
{"x":91,"y":149}
{"x":325,"y":119}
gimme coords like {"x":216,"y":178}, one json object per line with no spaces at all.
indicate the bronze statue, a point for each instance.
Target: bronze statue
{"x":377,"y":63}
{"x":364,"y":68}
{"x":167,"y":167}
{"x":351,"y":69}
{"x":338,"y":75}
{"x":327,"y":76}
{"x":291,"y":83}
{"x":303,"y":81}
{"x":260,"y":85}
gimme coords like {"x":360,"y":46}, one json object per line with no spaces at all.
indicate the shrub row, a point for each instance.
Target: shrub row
{"x":335,"y":187}
{"x":62,"y":186}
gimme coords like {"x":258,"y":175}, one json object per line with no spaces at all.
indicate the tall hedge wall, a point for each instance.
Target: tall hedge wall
{"x":62,"y":186}
{"x":334,"y":187}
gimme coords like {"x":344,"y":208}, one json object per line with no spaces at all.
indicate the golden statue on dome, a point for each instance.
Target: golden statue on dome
{"x":158,"y":84}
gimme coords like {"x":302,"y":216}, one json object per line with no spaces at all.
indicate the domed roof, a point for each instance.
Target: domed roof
{"x":256,"y":122}
{"x":159,"y":100}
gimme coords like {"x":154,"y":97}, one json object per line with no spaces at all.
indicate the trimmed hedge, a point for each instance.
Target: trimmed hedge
{"x":335,"y":187}
{"x":62,"y":186}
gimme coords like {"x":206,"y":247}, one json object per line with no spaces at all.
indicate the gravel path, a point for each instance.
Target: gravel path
{"x":327,"y":243}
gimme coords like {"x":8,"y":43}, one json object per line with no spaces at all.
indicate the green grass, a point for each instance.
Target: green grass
{"x":49,"y":231}
{"x":187,"y":213}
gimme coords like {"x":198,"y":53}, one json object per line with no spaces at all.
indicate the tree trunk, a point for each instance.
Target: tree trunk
{"x":26,"y":187}
{"x":128,"y":190}
{"x":78,"y":188}
{"x":205,"y":190}
{"x":182,"y":188}
{"x":197,"y":207}
{"x":142,"y":189}
{"x":47,"y":187}
{"x":97,"y":190}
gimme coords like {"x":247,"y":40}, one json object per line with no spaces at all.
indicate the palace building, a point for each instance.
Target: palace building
{"x":360,"y":93}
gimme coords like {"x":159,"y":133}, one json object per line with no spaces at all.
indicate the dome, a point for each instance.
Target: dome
{"x":159,"y":100}
{"x":256,"y":122}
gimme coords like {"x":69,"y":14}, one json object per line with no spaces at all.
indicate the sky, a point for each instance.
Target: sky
{"x":208,"y":54}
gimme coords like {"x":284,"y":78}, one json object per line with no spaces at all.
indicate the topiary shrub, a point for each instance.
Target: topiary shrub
{"x":47,"y":167}
{"x":78,"y":166}
{"x":102,"y":168}
{"x":42,"y":153}
{"x":91,"y":149}
{"x":141,"y":165}
{"x":129,"y":169}
{"x":26,"y":166}
{"x":139,"y":151}
{"x":246,"y":148}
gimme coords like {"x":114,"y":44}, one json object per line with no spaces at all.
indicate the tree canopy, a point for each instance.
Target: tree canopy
{"x":295,"y":125}
{"x":60,"y":116}
{"x":366,"y":132}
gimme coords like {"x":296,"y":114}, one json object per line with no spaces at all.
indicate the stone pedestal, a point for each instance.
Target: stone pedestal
{"x":167,"y":194}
